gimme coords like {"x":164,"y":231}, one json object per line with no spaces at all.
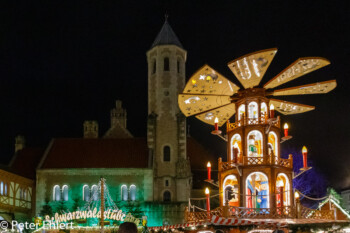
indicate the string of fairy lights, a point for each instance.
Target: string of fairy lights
{"x":95,"y":200}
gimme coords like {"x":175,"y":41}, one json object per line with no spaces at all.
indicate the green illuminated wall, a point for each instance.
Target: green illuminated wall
{"x":157,"y":213}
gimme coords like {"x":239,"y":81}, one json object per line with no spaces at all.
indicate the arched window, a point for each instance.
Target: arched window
{"x":253,"y":110}
{"x":257,"y":190}
{"x":166,"y":64}
{"x":236,"y":147}
{"x":231,"y":194}
{"x":178,"y":66}
{"x":132,"y":191}
{"x":166,"y":196}
{"x":241,"y":112}
{"x":5,"y":189}
{"x":56,"y":193}
{"x":282,"y":190}
{"x":94,"y":192}
{"x":255,"y":144}
{"x":166,"y":154}
{"x":263,"y":109}
{"x":154,"y":66}
{"x":2,"y":188}
{"x":124,"y":192}
{"x":273,"y":145}
{"x":86,"y":193}
{"x":65,"y":192}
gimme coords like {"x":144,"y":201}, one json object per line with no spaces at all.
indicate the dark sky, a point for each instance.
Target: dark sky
{"x":63,"y":62}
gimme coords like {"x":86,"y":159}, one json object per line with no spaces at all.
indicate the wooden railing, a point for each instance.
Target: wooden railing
{"x":255,"y":160}
{"x":245,"y":161}
{"x":259,"y":213}
{"x":250,"y":121}
{"x":279,"y":212}
{"x":196,"y":216}
{"x":241,"y":212}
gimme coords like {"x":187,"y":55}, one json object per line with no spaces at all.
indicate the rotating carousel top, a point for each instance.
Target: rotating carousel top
{"x":209,"y":95}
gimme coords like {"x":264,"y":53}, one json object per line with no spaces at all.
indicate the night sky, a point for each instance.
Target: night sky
{"x":63,"y":62}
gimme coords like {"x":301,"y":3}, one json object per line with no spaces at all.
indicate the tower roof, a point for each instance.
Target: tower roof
{"x":166,"y":36}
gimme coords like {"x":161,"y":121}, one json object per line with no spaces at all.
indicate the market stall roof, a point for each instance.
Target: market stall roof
{"x":221,"y":221}
{"x":341,"y":212}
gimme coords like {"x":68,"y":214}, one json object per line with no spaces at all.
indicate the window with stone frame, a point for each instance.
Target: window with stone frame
{"x":166,"y":153}
{"x":65,"y":192}
{"x":132,"y":192}
{"x":94,"y":192}
{"x":124,"y":193}
{"x":56,"y":193}
{"x":167,"y":196}
{"x":86,"y":193}
{"x":166,"y":64}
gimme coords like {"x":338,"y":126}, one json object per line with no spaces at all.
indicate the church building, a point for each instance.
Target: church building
{"x":148,"y":176}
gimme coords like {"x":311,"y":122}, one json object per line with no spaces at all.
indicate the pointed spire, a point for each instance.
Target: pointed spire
{"x":166,"y":36}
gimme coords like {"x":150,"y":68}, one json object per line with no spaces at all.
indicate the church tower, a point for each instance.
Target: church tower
{"x":166,"y":129}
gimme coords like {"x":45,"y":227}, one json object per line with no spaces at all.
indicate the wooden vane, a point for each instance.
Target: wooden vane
{"x":206,"y":81}
{"x":223,"y":114}
{"x":288,"y":108}
{"x":298,"y":68}
{"x":314,"y":88}
{"x":209,"y":95}
{"x":250,"y":69}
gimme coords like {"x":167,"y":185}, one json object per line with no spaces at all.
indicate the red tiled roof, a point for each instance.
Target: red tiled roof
{"x":97,"y":153}
{"x":26,"y":161}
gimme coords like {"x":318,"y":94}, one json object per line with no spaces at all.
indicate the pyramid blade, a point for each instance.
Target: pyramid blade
{"x":314,"y":88}
{"x":195,"y":104}
{"x":298,"y":68}
{"x":289,"y":108}
{"x":250,"y":69}
{"x":223,"y":114}
{"x":208,"y":81}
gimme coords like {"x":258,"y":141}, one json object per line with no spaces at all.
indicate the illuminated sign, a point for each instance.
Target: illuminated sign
{"x":110,"y":214}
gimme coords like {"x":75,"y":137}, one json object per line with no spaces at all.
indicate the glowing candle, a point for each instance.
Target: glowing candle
{"x":272,"y":111}
{"x":208,"y":200}
{"x":304,"y":151}
{"x":296,"y":195}
{"x":209,"y":170}
{"x":285,"y":130}
{"x":216,"y":121}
